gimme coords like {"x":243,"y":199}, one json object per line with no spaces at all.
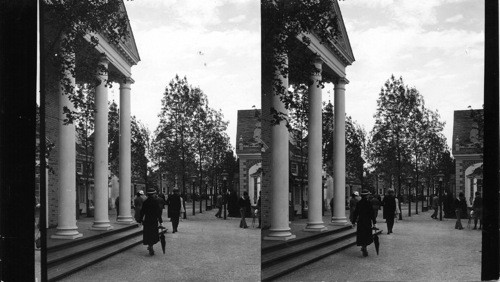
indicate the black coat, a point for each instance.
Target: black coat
{"x":461,"y":205}
{"x":150,"y":216}
{"x":364,"y":216}
{"x":174,"y":206}
{"x":244,"y":204}
{"x":389,"y":204}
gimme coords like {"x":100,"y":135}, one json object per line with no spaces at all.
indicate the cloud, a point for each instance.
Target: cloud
{"x":237,"y":19}
{"x":455,"y":18}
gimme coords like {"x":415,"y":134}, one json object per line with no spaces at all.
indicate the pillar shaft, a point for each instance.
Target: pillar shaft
{"x":66,"y":219}
{"x":339,"y":154}
{"x":101,"y":217}
{"x":125,"y":214}
{"x":314,"y":153}
{"x":279,"y":229}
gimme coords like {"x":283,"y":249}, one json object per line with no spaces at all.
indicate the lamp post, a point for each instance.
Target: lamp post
{"x":224,"y":179}
{"x":409,"y":179}
{"x":206,"y":194}
{"x":200,"y":196}
{"x":416,"y":197}
{"x":193,"y":194}
{"x":440,"y":177}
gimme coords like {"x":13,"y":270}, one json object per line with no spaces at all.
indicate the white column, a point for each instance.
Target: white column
{"x":279,"y":229}
{"x":314,"y":154}
{"x":101,"y":217}
{"x":66,"y":219}
{"x":125,"y":214}
{"x":339,"y":217}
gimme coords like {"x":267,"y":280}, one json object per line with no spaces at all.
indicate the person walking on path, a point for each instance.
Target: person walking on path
{"x":218,"y":204}
{"x":161,"y":201}
{"x":363,"y":215}
{"x":389,"y":210}
{"x":460,"y":210}
{"x":150,"y":218}
{"x":375,"y":204}
{"x":138,"y":200}
{"x":244,"y":205}
{"x":117,"y":205}
{"x":477,"y":207}
{"x":258,"y":210}
{"x":174,"y":209}
{"x":435,"y":205}
{"x":352,"y":204}
{"x":398,"y":211}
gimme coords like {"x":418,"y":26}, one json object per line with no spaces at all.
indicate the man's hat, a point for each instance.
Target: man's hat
{"x":365,"y":192}
{"x":141,"y":192}
{"x":175,"y":190}
{"x":356,"y":193}
{"x":151,"y":191}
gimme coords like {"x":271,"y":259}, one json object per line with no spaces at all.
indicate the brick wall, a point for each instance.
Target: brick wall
{"x":52,"y":133}
{"x":266,"y":162}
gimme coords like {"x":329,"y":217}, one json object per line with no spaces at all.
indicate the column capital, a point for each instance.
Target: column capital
{"x":342,"y":80}
{"x":103,"y":59}
{"x":126,"y":82}
{"x":317,"y":61}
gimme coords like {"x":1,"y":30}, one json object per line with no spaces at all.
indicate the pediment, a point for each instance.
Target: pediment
{"x":342,"y":43}
{"x":129,"y":45}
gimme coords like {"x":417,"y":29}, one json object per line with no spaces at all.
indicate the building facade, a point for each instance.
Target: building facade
{"x":467,"y":151}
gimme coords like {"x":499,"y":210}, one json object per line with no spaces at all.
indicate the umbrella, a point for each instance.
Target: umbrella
{"x":376,"y":241}
{"x":162,"y":238}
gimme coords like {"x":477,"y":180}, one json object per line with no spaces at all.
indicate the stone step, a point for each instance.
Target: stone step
{"x":312,"y":244}
{"x":298,"y":241}
{"x":277,"y":263}
{"x":59,"y":255}
{"x":83,"y":240}
{"x":63,"y":262}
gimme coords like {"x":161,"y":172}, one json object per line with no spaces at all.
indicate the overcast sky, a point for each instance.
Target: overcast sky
{"x":436,"y":46}
{"x":215,"y":44}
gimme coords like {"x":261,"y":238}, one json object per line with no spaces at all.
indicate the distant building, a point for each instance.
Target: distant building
{"x":467,"y":150}
{"x":248,"y":151}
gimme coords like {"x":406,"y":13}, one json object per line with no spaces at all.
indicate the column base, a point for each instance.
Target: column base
{"x":279,"y":238}
{"x":315,"y":227}
{"x":102,"y":226}
{"x":126,"y":220}
{"x":340,"y":221}
{"x":280,"y":235}
{"x":66,"y":234}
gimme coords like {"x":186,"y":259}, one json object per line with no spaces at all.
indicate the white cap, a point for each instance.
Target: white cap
{"x":141,"y":192}
{"x":356,"y":193}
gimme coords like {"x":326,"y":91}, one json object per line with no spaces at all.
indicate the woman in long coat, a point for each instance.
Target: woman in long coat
{"x":364,"y":216}
{"x":150,"y":217}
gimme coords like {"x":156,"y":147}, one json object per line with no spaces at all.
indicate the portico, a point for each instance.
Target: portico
{"x":114,"y":66}
{"x":330,"y":60}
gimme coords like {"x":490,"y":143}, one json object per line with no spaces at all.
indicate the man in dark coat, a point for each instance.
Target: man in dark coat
{"x":174,"y":209}
{"x":244,"y":205}
{"x":460,"y":210}
{"x":363,"y":215}
{"x":477,"y":207}
{"x":389,"y":210}
{"x":150,"y":217}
